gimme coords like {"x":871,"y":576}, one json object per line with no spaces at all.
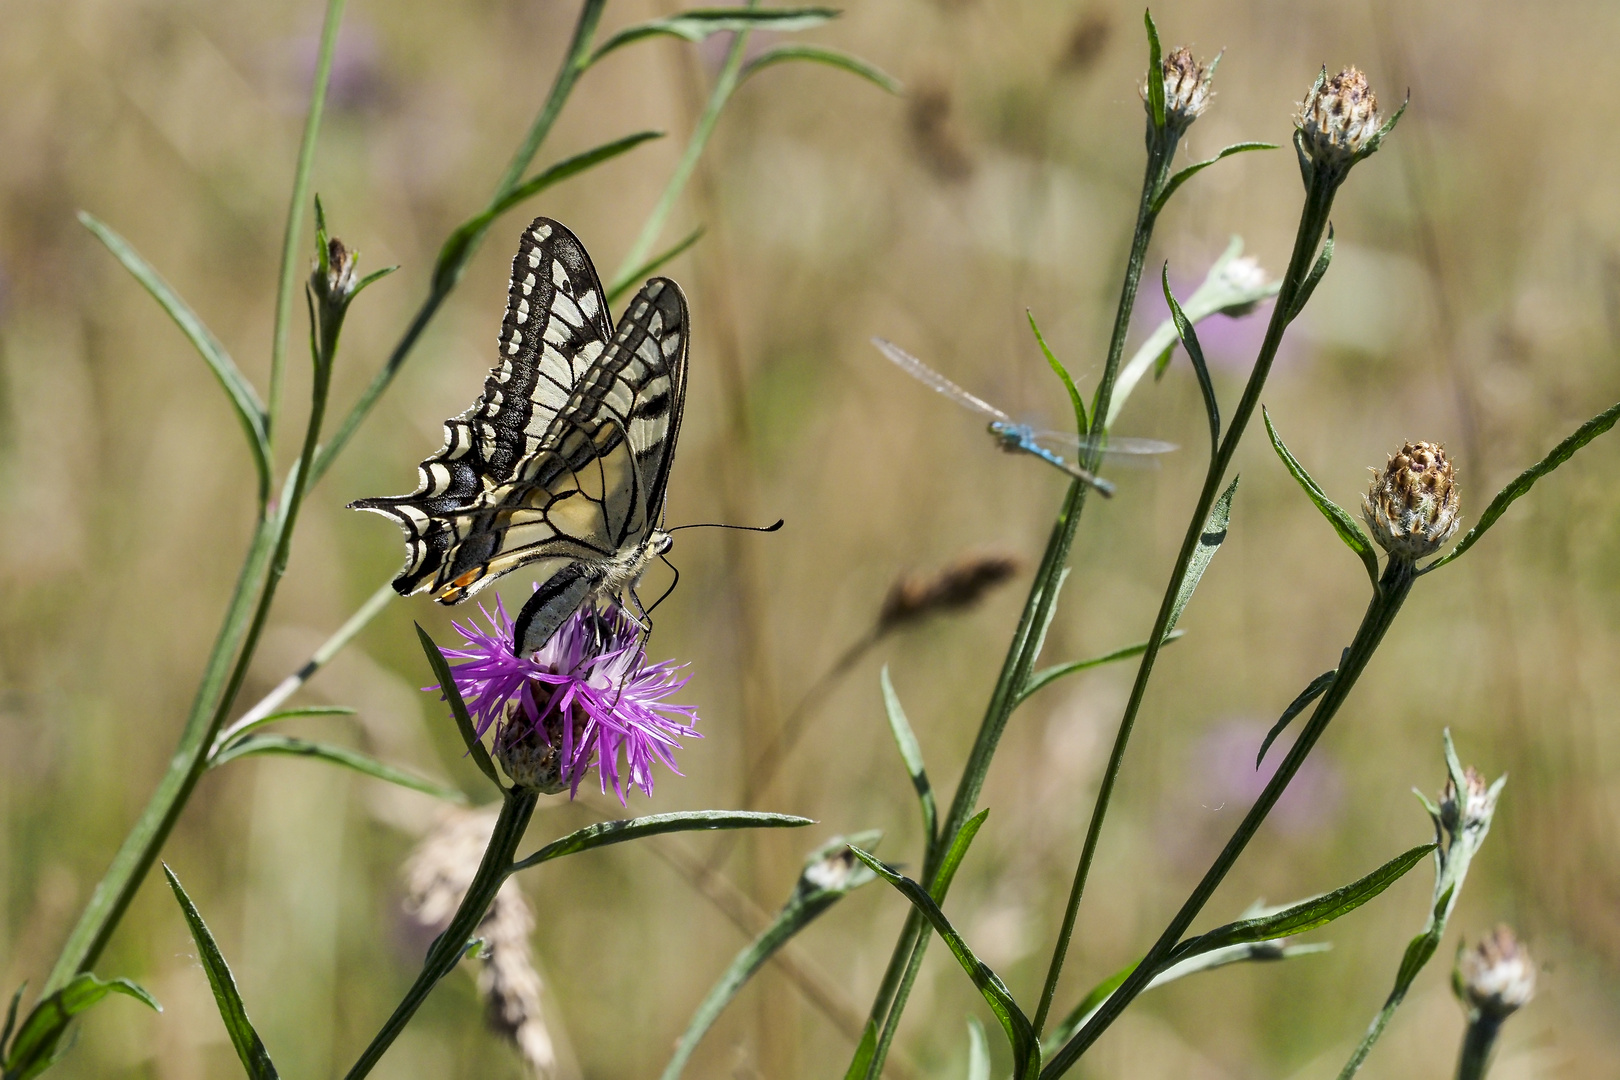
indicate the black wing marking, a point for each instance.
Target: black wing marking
{"x":593,"y":488}
{"x":556,"y":327}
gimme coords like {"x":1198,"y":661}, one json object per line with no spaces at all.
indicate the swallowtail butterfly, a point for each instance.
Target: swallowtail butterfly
{"x":563,"y":463}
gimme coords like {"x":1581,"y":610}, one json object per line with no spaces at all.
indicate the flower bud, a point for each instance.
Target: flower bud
{"x":1337,"y":124}
{"x":958,"y":585}
{"x":1476,"y":807}
{"x":1412,"y":505}
{"x":1186,"y":89}
{"x":1243,"y":277}
{"x":532,"y":754}
{"x":1496,"y":977}
{"x":333,"y":276}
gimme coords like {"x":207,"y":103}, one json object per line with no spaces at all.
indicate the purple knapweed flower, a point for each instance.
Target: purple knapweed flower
{"x":587,"y":697}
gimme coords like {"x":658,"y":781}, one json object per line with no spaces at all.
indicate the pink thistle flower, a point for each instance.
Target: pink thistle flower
{"x":586,"y":698}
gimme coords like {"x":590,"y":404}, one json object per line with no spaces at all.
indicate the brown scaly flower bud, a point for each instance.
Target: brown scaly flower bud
{"x":532,"y":757}
{"x":1337,"y":125}
{"x":960,"y":584}
{"x":1496,"y":977}
{"x":1186,"y":89}
{"x":1477,"y":801}
{"x":1412,"y":505}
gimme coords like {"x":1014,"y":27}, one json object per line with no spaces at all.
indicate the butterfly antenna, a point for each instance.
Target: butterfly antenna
{"x":721,"y":525}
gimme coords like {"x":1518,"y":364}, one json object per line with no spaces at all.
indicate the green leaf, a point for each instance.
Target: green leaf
{"x":978,"y":1051}
{"x":1052,"y":674}
{"x":1195,"y":353}
{"x":864,"y":1053}
{"x":617,"y":832}
{"x":699,"y":23}
{"x":459,"y":245}
{"x":1308,"y":286}
{"x":1305,"y":914}
{"x":458,"y":708}
{"x":958,"y":851}
{"x":336,"y":755}
{"x":371,"y":279}
{"x":1081,"y":424}
{"x":1051,"y":613}
{"x":830,"y":873}
{"x":1209,"y":542}
{"x":778,"y":54}
{"x":1422,"y":948}
{"x":1342,"y":523}
{"x":1521,"y":484}
{"x":1020,"y":1036}
{"x":245,"y":401}
{"x":249,"y":1047}
{"x":646,"y":269}
{"x":1192,"y":170}
{"x":1309,"y":694}
{"x":35,"y":1048}
{"x":1155,"y":73}
{"x":911,"y":754}
{"x":1372,"y":144}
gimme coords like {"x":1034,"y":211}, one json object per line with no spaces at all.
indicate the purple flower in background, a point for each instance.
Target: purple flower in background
{"x":587,"y":697}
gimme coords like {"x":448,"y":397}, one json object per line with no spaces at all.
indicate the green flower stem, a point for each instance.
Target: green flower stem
{"x":1386,"y":602}
{"x":1312,"y":224}
{"x":244,"y":620}
{"x":449,"y":947}
{"x":445,"y":278}
{"x":292,"y":238}
{"x":1478,"y":1042}
{"x":724,"y":85}
{"x":1020,"y":661}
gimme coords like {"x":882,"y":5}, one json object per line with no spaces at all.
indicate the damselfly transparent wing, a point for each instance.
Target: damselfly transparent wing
{"x":1007,"y":434}
{"x":1119,"y":449}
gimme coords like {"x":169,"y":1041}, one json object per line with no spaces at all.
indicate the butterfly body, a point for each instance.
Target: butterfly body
{"x":563,"y":464}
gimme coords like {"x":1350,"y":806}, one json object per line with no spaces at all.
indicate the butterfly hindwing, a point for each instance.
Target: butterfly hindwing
{"x":556,"y":326}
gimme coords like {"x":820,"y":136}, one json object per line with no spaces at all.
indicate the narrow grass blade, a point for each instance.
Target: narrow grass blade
{"x":1308,"y":286}
{"x":699,"y":23}
{"x":1155,"y":73}
{"x":1082,"y":425}
{"x":458,"y":708}
{"x":1209,"y":542}
{"x":457,"y":248}
{"x":830,"y":873}
{"x":250,"y":412}
{"x":778,"y":54}
{"x":911,"y":754}
{"x":11,"y":1021}
{"x":1521,"y":484}
{"x":864,"y":1053}
{"x":336,"y":755}
{"x":646,"y":269}
{"x":1342,"y":523}
{"x":1190,"y":171}
{"x":978,"y":1051}
{"x":1315,"y":690}
{"x":249,"y":1047}
{"x":35,"y":1048}
{"x":275,"y":717}
{"x":1048,"y":675}
{"x":1195,"y":353}
{"x":617,"y":832}
{"x":957,"y":852}
{"x":1020,"y":1036}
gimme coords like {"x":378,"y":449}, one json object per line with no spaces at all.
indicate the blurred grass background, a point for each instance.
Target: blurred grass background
{"x":1475,"y":300}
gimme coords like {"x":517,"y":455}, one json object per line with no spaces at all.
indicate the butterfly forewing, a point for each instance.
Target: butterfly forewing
{"x":562,"y":464}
